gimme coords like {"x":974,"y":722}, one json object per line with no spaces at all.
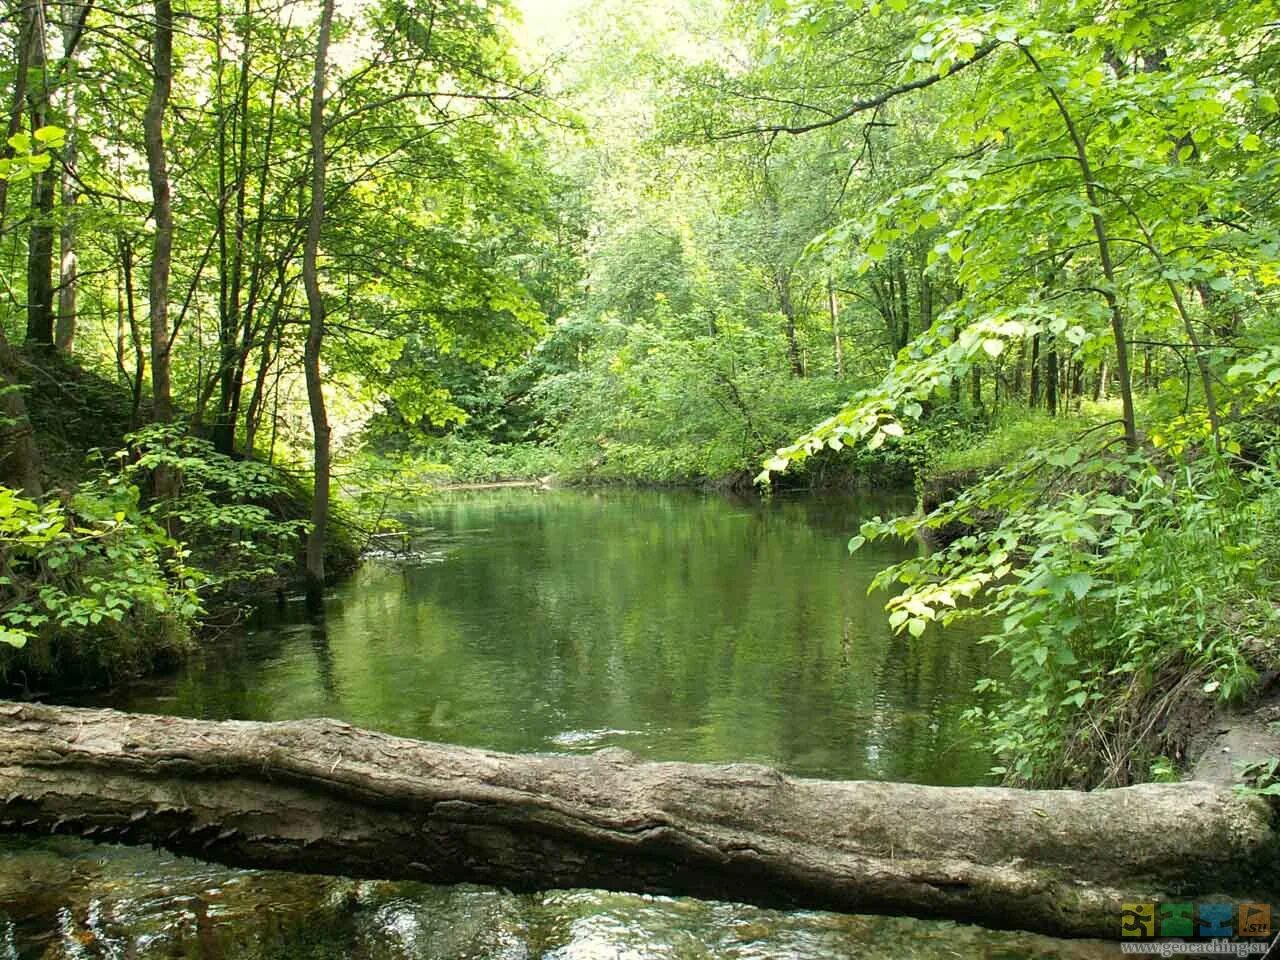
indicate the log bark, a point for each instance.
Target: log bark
{"x":320,"y":796}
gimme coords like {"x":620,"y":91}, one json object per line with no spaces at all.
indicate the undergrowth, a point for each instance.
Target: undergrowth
{"x":1123,"y":588}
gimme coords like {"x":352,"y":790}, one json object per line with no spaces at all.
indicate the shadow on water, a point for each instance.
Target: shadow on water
{"x":676,"y":625}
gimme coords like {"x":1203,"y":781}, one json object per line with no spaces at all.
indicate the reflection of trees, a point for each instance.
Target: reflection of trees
{"x":716,"y":630}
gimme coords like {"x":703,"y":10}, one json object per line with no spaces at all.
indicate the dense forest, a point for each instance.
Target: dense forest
{"x":272,"y":268}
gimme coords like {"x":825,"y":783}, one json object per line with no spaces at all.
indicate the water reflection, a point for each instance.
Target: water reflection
{"x":677,"y":626}
{"x":137,"y":904}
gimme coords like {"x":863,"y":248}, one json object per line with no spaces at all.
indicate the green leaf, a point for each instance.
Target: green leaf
{"x":51,"y":135}
{"x":1078,"y":584}
{"x":856,"y":543}
{"x":13,"y":638}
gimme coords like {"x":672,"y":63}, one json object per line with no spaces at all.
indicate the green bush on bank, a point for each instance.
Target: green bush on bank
{"x":1123,"y":587}
{"x":112,"y":578}
{"x":230,"y":514}
{"x":90,"y":587}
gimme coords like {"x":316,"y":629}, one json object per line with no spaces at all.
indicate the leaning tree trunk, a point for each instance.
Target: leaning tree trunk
{"x":322,"y":796}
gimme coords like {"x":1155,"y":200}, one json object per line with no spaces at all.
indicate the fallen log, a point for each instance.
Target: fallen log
{"x":319,"y":796}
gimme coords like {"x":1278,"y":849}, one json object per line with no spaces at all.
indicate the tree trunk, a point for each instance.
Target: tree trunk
{"x":833,"y":306}
{"x":135,"y":332}
{"x":19,"y":455}
{"x":274,"y":329}
{"x":40,"y":244}
{"x":315,"y":330}
{"x":321,"y":796}
{"x":65,"y":334}
{"x":926,"y":297}
{"x":788,"y":307}
{"x":26,"y":27}
{"x":1034,"y":387}
{"x":1051,"y":380}
{"x":1102,"y":237}
{"x":158,"y":171}
{"x":904,"y":291}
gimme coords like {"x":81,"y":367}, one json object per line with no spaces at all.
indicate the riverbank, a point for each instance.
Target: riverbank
{"x":1144,"y":625}
{"x":144,"y":540}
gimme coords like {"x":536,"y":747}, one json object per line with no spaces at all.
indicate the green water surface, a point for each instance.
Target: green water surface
{"x":676,"y":625}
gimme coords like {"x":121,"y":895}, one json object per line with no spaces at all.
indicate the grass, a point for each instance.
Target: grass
{"x":1013,"y":431}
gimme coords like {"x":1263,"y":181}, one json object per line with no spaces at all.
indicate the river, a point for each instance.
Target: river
{"x":677,"y":625}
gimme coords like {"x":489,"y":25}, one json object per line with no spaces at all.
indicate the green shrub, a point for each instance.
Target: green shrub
{"x":667,"y":406}
{"x":229,"y":513}
{"x":90,"y":587}
{"x":1122,"y":588}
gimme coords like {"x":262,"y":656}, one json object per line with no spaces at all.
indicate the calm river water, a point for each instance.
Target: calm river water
{"x":676,"y":625}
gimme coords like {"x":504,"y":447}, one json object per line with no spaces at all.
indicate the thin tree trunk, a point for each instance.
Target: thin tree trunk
{"x":783,"y":281}
{"x":26,"y":26}
{"x":243,"y":315}
{"x":324,"y":797}
{"x":40,"y":313}
{"x":1051,"y":380}
{"x":904,"y":291}
{"x":926,"y":298}
{"x":1109,"y":294}
{"x":158,"y":172}
{"x":119,"y":344}
{"x":833,"y":306}
{"x":275,"y":328}
{"x":65,"y":335}
{"x":135,"y":332}
{"x":315,"y":329}
{"x":1033,"y":391}
{"x":19,"y":455}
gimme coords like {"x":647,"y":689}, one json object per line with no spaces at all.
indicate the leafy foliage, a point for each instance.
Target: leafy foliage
{"x":93,"y":583}
{"x":227,"y":512}
{"x":1098,"y":572}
